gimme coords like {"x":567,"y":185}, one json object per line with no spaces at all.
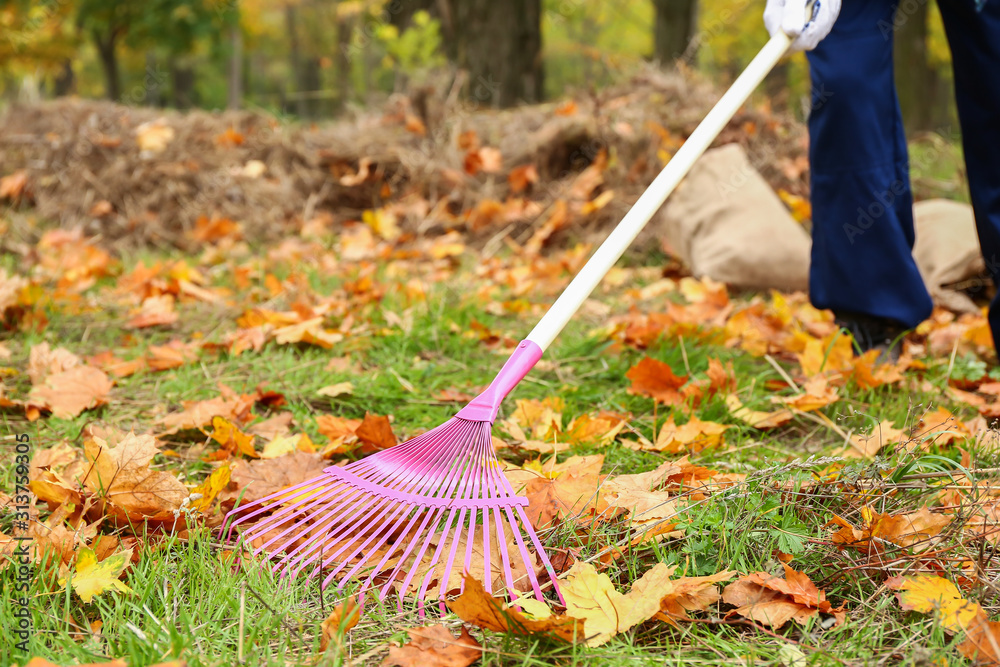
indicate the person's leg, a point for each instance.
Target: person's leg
{"x":862,"y":263}
{"x":974,"y":37}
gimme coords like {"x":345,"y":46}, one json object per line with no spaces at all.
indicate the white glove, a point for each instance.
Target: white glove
{"x":805,"y":21}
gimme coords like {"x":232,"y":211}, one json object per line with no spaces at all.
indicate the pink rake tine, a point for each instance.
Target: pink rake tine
{"x":459,"y":479}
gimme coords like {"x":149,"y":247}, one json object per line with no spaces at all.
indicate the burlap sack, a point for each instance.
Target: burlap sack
{"x":725,"y":222}
{"x":947,"y":251}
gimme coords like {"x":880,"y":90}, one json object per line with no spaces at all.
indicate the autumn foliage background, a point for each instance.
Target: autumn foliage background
{"x":199,"y":306}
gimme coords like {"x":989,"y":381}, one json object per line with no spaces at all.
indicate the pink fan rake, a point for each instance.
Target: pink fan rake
{"x":439,"y":505}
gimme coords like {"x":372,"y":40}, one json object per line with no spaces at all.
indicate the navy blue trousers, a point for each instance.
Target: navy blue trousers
{"x":861,"y":200}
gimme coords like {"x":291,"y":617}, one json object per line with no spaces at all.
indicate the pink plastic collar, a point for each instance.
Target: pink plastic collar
{"x":484,"y":408}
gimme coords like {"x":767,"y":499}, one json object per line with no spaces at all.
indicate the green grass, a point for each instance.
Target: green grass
{"x":189,"y":605}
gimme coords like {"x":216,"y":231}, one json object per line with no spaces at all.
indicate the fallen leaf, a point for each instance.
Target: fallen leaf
{"x":435,"y":646}
{"x":654,"y":378}
{"x":69,"y":393}
{"x":481,"y":609}
{"x":816,"y":394}
{"x":773,"y":601}
{"x":833,"y":352}
{"x":927,"y":593}
{"x":941,"y":427}
{"x":691,"y":594}
{"x":91,"y":577}
{"x":121,"y":474}
{"x":340,"y":621}
{"x":334,"y":390}
{"x":982,"y":643}
{"x":755,"y":418}
{"x":601,"y":429}
{"x":210,"y":488}
{"x":520,"y":178}
{"x":592,"y":598}
{"x":375,"y":433}
{"x":154,"y":136}
{"x":867,"y":446}
{"x":231,"y":438}
{"x":155,"y":311}
{"x":692,"y":436}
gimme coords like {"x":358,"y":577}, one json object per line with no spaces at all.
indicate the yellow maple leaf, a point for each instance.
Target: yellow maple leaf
{"x":210,"y":488}
{"x":592,"y":598}
{"x":93,"y":578}
{"x":927,"y":593}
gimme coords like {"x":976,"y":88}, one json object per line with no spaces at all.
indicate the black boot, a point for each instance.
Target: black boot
{"x":873,"y":333}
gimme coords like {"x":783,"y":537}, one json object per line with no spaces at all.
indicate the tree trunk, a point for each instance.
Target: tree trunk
{"x":500,"y":44}
{"x":295,"y":59}
{"x":343,"y":62}
{"x":674,"y":28}
{"x":109,"y":62}
{"x":65,"y":81}
{"x":183,"y":76}
{"x":235,"y":97}
{"x":916,"y":80}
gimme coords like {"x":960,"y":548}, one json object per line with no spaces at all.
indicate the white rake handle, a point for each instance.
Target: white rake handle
{"x":642,"y":211}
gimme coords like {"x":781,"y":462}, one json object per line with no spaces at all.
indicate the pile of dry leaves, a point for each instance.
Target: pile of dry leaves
{"x":149,"y":175}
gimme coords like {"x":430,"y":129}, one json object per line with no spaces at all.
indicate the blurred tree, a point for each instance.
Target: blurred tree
{"x":107,"y":24}
{"x":500,"y":44}
{"x":674,"y":28}
{"x":915,"y":79}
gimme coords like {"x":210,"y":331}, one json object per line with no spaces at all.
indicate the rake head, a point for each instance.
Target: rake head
{"x":423,"y":512}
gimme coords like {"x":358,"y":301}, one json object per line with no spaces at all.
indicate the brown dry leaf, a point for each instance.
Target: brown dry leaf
{"x":155,"y":311}
{"x":927,"y":593}
{"x":375,"y":433}
{"x":340,"y":621}
{"x":568,"y":495}
{"x":44,"y":361}
{"x":112,"y":365}
{"x":601,"y":429}
{"x":174,"y":354}
{"x":867,"y":446}
{"x":635,"y":494}
{"x":481,"y":609}
{"x":654,"y":378}
{"x":121,"y":474}
{"x":691,"y":594}
{"x":69,"y":393}
{"x":816,"y":394}
{"x":941,"y":427}
{"x":336,"y":427}
{"x":435,"y":646}
{"x":262,"y":477}
{"x":722,"y":379}
{"x":14,"y":185}
{"x":592,"y":598}
{"x":913,"y":529}
{"x":982,"y":643}
{"x":520,"y":178}
{"x":774,"y":601}
{"x":154,"y":136}
{"x":234,"y":407}
{"x":868,"y":374}
{"x":310,"y":331}
{"x":271,"y":428}
{"x":692,"y":436}
{"x":757,"y":419}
